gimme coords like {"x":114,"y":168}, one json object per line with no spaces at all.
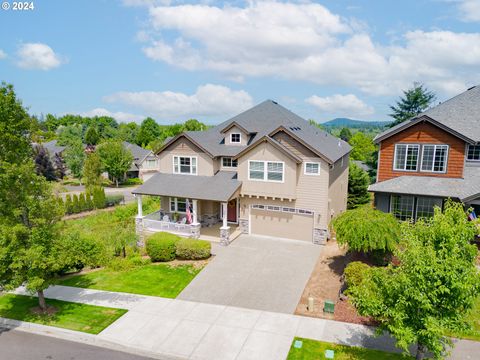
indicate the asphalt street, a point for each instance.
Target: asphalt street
{"x":19,"y":345}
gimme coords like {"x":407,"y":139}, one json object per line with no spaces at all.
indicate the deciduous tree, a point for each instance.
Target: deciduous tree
{"x":92,"y":171}
{"x":74,"y":157}
{"x":149,"y":131}
{"x":363,"y":147}
{"x":116,"y":159}
{"x":91,"y":136}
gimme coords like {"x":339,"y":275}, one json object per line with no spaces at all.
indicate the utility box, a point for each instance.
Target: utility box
{"x":329,"y":354}
{"x":329,"y":306}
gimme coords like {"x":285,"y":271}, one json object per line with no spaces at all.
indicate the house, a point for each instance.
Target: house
{"x":52,"y":148}
{"x":429,"y":158}
{"x":144,"y":164}
{"x":265,"y":171}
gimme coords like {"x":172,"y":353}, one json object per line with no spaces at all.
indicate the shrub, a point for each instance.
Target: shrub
{"x":75,"y":204}
{"x":90,"y":204}
{"x":82,"y":203}
{"x":162,"y":246}
{"x":68,"y":204}
{"x":132,"y":181}
{"x":190,"y":249}
{"x":355,"y":273}
{"x":99,"y":197}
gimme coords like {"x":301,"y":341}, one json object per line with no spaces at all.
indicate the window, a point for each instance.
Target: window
{"x":151,"y":163}
{"x":401,"y":206}
{"x":229,"y":162}
{"x":235,"y":138}
{"x":406,"y":157}
{"x":178,"y":205}
{"x":426,"y":205}
{"x":265,"y":170}
{"x":434,"y":158}
{"x":473,"y":153}
{"x":185,"y":165}
{"x":312,"y":168}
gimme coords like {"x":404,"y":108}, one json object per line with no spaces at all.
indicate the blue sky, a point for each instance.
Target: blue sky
{"x":173,"y":60}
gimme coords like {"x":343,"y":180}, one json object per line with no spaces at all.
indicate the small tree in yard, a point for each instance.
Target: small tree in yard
{"x":431,"y":290}
{"x":92,"y":171}
{"x":358,"y":181}
{"x":367,"y":230}
{"x":116,"y":159}
{"x":43,"y":164}
{"x":74,"y":157}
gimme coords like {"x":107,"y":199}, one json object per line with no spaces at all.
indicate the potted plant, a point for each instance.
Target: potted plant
{"x":175,"y":216}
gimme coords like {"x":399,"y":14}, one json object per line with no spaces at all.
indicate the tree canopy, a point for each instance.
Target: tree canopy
{"x":74,"y":158}
{"x":92,"y":171}
{"x":358,"y":181}
{"x":116,"y":159}
{"x":149,"y":131}
{"x":431,"y":289}
{"x":413,"y":102}
{"x":345,"y":134}
{"x":363,"y":147}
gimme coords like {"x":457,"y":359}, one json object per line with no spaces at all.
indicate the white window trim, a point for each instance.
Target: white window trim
{"x":468,"y":148}
{"x":433,"y":161}
{"x":413,"y":204}
{"x":406,"y":157}
{"x":239,"y":138}
{"x":265,"y":172}
{"x":147,"y":162}
{"x":175,"y":200}
{"x":229,"y":167}
{"x":312,"y":162}
{"x":184,"y":156}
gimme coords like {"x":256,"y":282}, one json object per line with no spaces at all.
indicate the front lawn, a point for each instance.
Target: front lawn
{"x":74,"y":316}
{"x":312,"y":349}
{"x":473,"y":318}
{"x":156,"y":280}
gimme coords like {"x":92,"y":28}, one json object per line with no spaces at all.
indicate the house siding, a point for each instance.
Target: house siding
{"x":338,"y":187}
{"x":422,"y":133}
{"x":236,"y":130}
{"x":183,"y":146}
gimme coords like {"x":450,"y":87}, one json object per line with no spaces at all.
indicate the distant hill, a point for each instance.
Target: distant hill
{"x":346,"y":122}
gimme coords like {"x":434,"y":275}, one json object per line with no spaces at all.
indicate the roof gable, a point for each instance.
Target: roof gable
{"x":275,"y":144}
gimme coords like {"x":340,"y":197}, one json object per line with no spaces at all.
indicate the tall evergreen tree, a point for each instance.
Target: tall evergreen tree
{"x":91,"y":136}
{"x":43,"y":163}
{"x":92,"y":171}
{"x":345,"y":134}
{"x":358,"y":181}
{"x":414,"y":101}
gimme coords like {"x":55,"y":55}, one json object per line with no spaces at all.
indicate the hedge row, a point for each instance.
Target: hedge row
{"x":166,"y":247}
{"x":74,"y":204}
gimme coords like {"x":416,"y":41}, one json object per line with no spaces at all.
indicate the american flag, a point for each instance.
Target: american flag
{"x":189,"y":213}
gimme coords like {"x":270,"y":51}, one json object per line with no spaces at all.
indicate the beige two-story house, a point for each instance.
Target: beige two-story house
{"x":265,"y":171}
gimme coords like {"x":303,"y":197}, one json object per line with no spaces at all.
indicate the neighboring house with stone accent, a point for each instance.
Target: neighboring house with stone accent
{"x":430,"y":158}
{"x":265,"y":171}
{"x":145,"y":163}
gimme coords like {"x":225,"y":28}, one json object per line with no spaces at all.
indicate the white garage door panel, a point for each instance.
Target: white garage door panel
{"x":283,"y":225}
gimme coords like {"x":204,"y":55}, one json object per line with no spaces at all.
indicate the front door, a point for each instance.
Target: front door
{"x":232,"y":211}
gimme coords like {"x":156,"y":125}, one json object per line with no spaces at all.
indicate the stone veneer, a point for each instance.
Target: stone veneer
{"x":243,"y":225}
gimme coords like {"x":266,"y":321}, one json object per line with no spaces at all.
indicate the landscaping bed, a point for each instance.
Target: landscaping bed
{"x":73,"y":316}
{"x":312,"y":349}
{"x":165,"y":280}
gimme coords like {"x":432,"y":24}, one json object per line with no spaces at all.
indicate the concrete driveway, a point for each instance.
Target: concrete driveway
{"x":256,"y":273}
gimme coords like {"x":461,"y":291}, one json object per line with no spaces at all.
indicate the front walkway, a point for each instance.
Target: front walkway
{"x":190,"y":330}
{"x":255,"y":273}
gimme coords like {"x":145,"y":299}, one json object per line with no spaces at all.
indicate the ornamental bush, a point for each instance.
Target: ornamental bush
{"x":75,"y":204}
{"x":190,"y":249}
{"x":68,"y":204}
{"x":162,"y":246}
{"x":355,"y":273}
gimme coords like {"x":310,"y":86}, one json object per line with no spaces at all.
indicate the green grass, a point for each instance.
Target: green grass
{"x":315,"y":350}
{"x":80,"y":317}
{"x":473,"y":319}
{"x":155,"y":280}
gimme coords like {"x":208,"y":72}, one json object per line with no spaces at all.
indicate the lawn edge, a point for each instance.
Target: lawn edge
{"x":78,"y":337}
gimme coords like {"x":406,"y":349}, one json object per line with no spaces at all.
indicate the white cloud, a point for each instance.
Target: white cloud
{"x":208,"y":100}
{"x":342,"y":105}
{"x":37,"y":56}
{"x":119,"y":116}
{"x":470,"y":10}
{"x":305,"y":41}
{"x":3,"y":54}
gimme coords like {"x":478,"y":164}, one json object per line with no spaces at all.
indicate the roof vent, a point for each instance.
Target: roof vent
{"x":295,"y":128}
{"x":473,"y":87}
{"x":274,"y":102}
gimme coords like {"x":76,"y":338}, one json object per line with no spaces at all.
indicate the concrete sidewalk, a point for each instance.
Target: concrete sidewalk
{"x":192,"y":330}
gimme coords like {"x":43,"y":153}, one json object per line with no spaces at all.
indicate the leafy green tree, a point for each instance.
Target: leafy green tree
{"x":92,"y":171}
{"x":363,"y":147}
{"x":91,"y":136}
{"x":414,"y":101}
{"x":345,"y":134}
{"x":432,"y":288}
{"x":193,"y":125}
{"x":367,"y":230}
{"x":128,"y":132}
{"x":74,"y":158}
{"x":71,"y":134}
{"x":43,"y":163}
{"x":358,"y":181}
{"x":149,"y":131}
{"x":116,"y":159}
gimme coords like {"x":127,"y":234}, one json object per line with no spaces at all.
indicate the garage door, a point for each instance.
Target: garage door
{"x":281,"y":224}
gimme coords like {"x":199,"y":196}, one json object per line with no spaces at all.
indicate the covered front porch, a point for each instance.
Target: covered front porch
{"x":200,"y":207}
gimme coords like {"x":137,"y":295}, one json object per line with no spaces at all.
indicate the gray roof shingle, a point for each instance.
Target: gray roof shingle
{"x":263,"y":119}
{"x":460,"y":114}
{"x":139,"y":154}
{"x":465,"y":189}
{"x":219,"y":187}
{"x":53,"y":148}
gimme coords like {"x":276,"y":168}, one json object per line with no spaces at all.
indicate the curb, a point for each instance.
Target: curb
{"x":80,"y":337}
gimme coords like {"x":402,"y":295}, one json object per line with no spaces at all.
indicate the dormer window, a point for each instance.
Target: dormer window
{"x":235,"y":138}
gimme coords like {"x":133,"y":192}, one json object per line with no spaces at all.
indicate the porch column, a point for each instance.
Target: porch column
{"x":195,"y":217}
{"x":139,"y":202}
{"x":224,"y":214}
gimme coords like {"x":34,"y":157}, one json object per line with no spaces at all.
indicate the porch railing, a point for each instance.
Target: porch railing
{"x":155,"y":221}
